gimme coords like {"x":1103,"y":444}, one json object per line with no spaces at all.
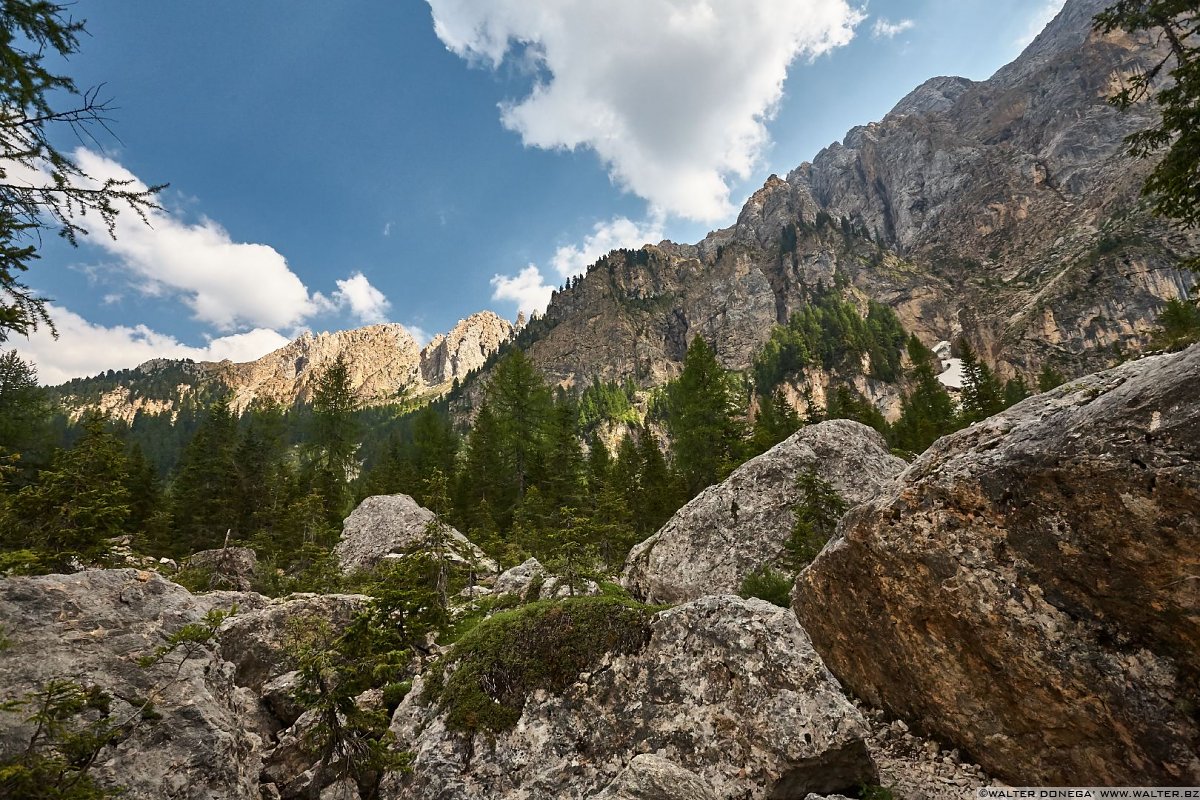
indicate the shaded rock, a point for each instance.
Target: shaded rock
{"x":279,"y":696}
{"x":255,"y":642}
{"x":649,"y":777}
{"x":345,"y":789}
{"x":91,"y":627}
{"x":518,"y":580}
{"x":226,"y":567}
{"x":1027,"y":589}
{"x":731,"y":529}
{"x":728,"y":689}
{"x":391,"y":525}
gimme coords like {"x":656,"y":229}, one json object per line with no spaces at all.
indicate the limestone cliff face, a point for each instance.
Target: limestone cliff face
{"x":465,"y":348}
{"x":1006,"y":210}
{"x":385,"y":362}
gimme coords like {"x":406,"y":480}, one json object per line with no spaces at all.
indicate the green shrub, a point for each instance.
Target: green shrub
{"x":767,"y":584}
{"x":484,"y":681}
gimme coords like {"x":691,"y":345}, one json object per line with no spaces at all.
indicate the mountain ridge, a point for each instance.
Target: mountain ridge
{"x":1005,"y":211}
{"x":386,"y":365}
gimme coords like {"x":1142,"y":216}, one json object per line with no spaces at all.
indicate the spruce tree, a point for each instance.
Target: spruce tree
{"x":702,"y":416}
{"x":1049,"y":378}
{"x":204,"y":495}
{"x":776,"y":420}
{"x":658,"y":494}
{"x":334,"y":439}
{"x":927,"y":412}
{"x":521,"y":404}
{"x":982,"y":395}
{"x":24,"y":412}
{"x":816,"y":516}
{"x":81,"y":499}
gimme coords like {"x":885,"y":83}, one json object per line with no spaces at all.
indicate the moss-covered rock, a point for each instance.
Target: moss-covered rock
{"x":485,"y":679}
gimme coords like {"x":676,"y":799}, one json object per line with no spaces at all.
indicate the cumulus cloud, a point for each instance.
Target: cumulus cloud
{"x":671,"y":94}
{"x":364,"y":301}
{"x":84,"y":348}
{"x":618,"y":232}
{"x":1042,"y":16}
{"x":527,"y":289}
{"x":884,"y":29}
{"x":226,"y":284}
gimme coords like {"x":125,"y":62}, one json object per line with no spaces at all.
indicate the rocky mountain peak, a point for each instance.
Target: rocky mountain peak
{"x":934,"y":95}
{"x":464,"y":348}
{"x":385,"y":363}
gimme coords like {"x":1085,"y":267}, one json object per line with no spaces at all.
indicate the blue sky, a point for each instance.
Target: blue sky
{"x":337,"y":164}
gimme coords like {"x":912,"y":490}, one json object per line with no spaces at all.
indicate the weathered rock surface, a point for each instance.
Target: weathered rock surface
{"x":742,"y":523}
{"x":255,"y":642}
{"x":230,"y":568}
{"x":649,"y":777}
{"x":91,"y":627}
{"x":522,"y":580}
{"x":391,"y":525}
{"x":1028,"y":588}
{"x":466,"y":347}
{"x":727,"y":689}
{"x":518,"y":580}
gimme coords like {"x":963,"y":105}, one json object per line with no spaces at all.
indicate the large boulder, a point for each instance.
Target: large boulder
{"x":390,"y":525}
{"x":726,"y":689}
{"x":743,"y":523}
{"x":231,"y":568}
{"x":1028,"y":588}
{"x":91,"y":627}
{"x":256,"y":642}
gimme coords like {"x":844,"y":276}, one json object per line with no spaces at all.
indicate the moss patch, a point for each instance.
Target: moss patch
{"x":483,"y":682}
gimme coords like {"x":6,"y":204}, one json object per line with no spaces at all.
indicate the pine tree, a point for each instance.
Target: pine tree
{"x":702,"y":415}
{"x":335,"y":439}
{"x":776,"y":420}
{"x":816,"y":516}
{"x":926,"y":413}
{"x":1049,"y":378}
{"x":81,"y":499}
{"x":982,"y":395}
{"x":24,"y":413}
{"x":204,"y":496}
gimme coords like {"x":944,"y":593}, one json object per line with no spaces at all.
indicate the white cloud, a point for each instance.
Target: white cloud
{"x":226,"y":284}
{"x":84,"y":348}
{"x":387,"y":229}
{"x":527,"y":289}
{"x":672,"y":95}
{"x":617,"y":233}
{"x":365,"y":302}
{"x":883,"y":29}
{"x":420,"y":335}
{"x":1042,"y":16}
